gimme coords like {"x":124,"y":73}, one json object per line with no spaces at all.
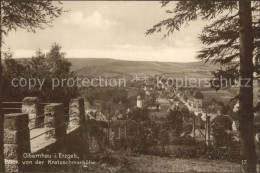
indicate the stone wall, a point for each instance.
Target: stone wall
{"x":16,"y":141}
{"x":23,"y":136}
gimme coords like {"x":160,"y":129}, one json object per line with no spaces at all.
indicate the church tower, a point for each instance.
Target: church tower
{"x":139,"y":102}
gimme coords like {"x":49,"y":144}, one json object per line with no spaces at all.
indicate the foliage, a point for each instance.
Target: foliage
{"x":142,"y":136}
{"x":231,"y":154}
{"x":175,"y":121}
{"x":95,"y":130}
{"x":25,"y":15}
{"x":12,"y":69}
{"x":185,"y":140}
{"x":139,"y":115}
{"x":106,"y":95}
{"x":207,"y":103}
{"x":197,"y":151}
{"x":198,"y":95}
{"x":41,"y":67}
{"x":185,"y":112}
{"x":221,"y":37}
{"x":226,"y":110}
{"x":107,"y":157}
{"x":187,"y":128}
{"x":220,"y":131}
{"x":120,"y":144}
{"x":28,"y":15}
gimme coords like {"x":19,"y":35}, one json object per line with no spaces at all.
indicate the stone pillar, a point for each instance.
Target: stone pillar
{"x":16,"y":141}
{"x":257,"y":114}
{"x":76,"y":113}
{"x":31,"y":107}
{"x":77,"y":119}
{"x":54,"y":120}
{"x":257,"y":139}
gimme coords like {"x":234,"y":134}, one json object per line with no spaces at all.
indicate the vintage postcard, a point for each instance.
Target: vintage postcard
{"x":130,"y":86}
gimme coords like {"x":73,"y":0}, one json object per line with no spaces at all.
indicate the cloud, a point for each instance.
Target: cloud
{"x":95,"y":20}
{"x":187,"y":42}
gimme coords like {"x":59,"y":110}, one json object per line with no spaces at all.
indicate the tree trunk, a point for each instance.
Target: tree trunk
{"x":246,"y":116}
{"x":257,"y":118}
{"x":2,"y":165}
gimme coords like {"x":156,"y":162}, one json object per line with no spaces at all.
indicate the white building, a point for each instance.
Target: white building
{"x":139,"y":102}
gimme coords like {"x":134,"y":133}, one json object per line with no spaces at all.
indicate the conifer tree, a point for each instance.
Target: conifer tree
{"x":231,"y":41}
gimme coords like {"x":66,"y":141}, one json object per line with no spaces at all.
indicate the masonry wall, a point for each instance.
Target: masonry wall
{"x":46,"y":130}
{"x":24,"y":137}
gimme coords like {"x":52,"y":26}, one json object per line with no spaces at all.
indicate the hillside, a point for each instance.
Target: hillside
{"x":90,"y":67}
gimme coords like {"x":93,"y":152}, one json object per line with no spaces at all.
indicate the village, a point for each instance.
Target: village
{"x":158,"y":103}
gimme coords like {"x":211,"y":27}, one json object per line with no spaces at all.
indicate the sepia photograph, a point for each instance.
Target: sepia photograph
{"x":129,"y":86}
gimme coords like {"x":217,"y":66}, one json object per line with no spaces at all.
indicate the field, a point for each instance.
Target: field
{"x":221,"y":95}
{"x":90,"y":67}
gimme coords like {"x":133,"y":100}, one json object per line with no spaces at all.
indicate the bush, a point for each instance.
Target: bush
{"x":231,"y":154}
{"x":183,"y":151}
{"x":197,"y":151}
{"x":175,"y":121}
{"x":221,"y":126}
{"x":108,"y":158}
{"x":198,"y":95}
{"x":142,"y":135}
{"x":120,"y":144}
{"x":185,"y":140}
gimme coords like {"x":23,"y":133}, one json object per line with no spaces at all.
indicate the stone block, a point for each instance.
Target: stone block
{"x":30,"y":100}
{"x":11,"y":167}
{"x":12,"y":151}
{"x":16,"y":140}
{"x":32,"y":108}
{"x":15,"y":121}
{"x":16,"y":137}
{"x":77,"y":111}
{"x":50,"y":133}
{"x":12,"y":137}
{"x":55,"y":119}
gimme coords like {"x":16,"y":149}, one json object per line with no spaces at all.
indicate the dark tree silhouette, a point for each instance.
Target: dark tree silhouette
{"x":27,"y":15}
{"x":232,"y":40}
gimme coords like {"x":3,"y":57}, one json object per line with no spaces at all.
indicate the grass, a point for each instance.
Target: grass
{"x":133,"y":162}
{"x":148,"y":163}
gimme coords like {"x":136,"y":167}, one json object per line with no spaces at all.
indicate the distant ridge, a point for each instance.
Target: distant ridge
{"x":124,"y":68}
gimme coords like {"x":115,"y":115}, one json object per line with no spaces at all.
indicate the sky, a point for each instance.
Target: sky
{"x":110,"y":29}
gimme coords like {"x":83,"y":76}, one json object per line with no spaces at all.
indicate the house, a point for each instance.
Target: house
{"x":170,"y":95}
{"x":91,"y":110}
{"x":190,"y":100}
{"x":91,"y":106}
{"x":197,"y":102}
{"x":100,"y":117}
{"x":148,"y":93}
{"x":95,"y":115}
